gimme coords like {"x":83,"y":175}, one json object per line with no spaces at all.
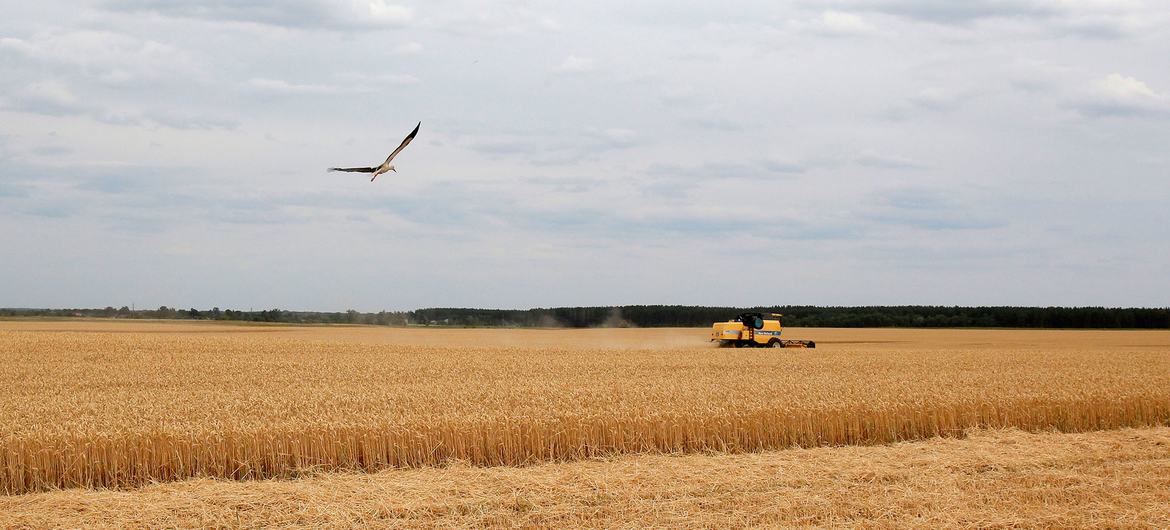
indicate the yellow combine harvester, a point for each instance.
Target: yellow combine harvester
{"x":753,"y":330}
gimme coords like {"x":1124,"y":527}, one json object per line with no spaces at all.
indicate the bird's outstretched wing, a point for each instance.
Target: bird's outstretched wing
{"x":402,"y":146}
{"x":355,"y":169}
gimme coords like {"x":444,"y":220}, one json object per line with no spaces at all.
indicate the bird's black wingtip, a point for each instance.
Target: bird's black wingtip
{"x":414,"y":132}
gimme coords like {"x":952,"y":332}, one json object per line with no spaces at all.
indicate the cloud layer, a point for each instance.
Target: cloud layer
{"x":876,"y":152}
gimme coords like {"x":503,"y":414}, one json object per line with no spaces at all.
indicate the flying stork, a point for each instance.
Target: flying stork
{"x":386,"y":166}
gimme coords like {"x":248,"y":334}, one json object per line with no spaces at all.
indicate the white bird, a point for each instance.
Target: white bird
{"x":386,"y":166}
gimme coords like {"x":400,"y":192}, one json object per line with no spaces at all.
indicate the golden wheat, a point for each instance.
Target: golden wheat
{"x":111,"y":405}
{"x":991,"y":479}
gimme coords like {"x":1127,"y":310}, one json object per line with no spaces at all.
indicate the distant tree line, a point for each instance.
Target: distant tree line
{"x":666,"y":316}
{"x":808,"y":316}
{"x":382,"y":318}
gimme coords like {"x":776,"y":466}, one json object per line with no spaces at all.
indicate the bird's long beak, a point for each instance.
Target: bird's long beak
{"x":394,"y":170}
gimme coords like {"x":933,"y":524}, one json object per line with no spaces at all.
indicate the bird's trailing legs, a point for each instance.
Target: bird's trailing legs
{"x":376,"y":174}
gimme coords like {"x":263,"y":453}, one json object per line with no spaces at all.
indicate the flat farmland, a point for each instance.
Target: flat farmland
{"x":988,"y":479}
{"x":99,"y":404}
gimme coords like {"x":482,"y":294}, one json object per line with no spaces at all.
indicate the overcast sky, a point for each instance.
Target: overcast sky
{"x":845,"y":152}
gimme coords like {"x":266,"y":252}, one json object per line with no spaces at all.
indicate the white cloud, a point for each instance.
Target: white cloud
{"x":363,"y":81}
{"x":548,"y":24}
{"x":830,"y":23}
{"x":382,"y":12}
{"x":873,"y":159}
{"x":485,"y":18}
{"x":575,"y":64}
{"x":51,"y":92}
{"x":408,"y":48}
{"x":931,"y":99}
{"x":395,"y":79}
{"x":19,"y":45}
{"x":1116,"y":95}
{"x":106,"y":56}
{"x":840,"y":22}
{"x":280,"y":86}
{"x":935,"y":98}
{"x":48,"y":97}
{"x":56,"y":98}
{"x":1128,"y":89}
{"x":615,"y":138}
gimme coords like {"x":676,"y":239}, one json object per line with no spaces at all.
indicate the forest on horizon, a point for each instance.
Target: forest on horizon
{"x":665,"y":316}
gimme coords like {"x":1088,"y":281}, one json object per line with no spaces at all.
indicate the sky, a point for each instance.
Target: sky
{"x":839,"y":152}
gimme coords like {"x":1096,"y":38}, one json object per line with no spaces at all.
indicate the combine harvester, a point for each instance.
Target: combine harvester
{"x":752,"y":330}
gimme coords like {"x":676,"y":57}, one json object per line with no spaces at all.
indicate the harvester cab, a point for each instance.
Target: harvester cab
{"x":750,"y":330}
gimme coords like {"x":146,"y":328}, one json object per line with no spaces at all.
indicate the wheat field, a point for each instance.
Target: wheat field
{"x":121,"y":404}
{"x":989,"y":479}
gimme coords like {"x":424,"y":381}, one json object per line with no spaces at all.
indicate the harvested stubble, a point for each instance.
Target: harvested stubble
{"x":99,"y":409}
{"x":992,"y":479}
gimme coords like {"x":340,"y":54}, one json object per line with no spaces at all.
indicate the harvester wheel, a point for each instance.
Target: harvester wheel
{"x":775,"y":344}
